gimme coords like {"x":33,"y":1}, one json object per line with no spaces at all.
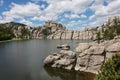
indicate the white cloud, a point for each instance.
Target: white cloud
{"x":102,"y":12}
{"x":1,"y":2}
{"x":72,"y":9}
{"x":109,"y":1}
{"x":75,"y":6}
{"x":75,"y":25}
{"x":36,"y":1}
{"x":71,"y":16}
{"x":57,"y":7}
{"x":27,"y":22}
{"x":44,"y":18}
{"x":91,"y":17}
{"x":83,"y":16}
{"x":6,"y":19}
{"x":21,"y":11}
{"x":51,"y":12}
{"x":98,"y":21}
{"x":113,"y":7}
{"x":43,"y":6}
{"x":62,"y":19}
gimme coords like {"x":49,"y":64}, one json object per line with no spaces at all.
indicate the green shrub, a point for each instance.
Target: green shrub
{"x":109,"y":34}
{"x":5,"y":36}
{"x":46,"y":32}
{"x":110,"y":70}
{"x":98,"y":37}
{"x":118,"y":29}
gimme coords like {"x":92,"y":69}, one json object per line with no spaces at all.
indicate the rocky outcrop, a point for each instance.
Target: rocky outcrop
{"x":87,"y":57}
{"x":63,"y":47}
{"x":69,"y":34}
{"x":65,"y":59}
{"x":54,"y":26}
{"x":73,"y":35}
{"x":90,"y":57}
{"x":57,"y":34}
{"x":54,"y":30}
{"x":113,"y":21}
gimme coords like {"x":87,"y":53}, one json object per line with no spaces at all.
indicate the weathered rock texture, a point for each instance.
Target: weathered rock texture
{"x":72,"y":35}
{"x":54,"y":30}
{"x":86,"y":34}
{"x":87,"y":57}
{"x":64,"y":59}
{"x":90,"y":57}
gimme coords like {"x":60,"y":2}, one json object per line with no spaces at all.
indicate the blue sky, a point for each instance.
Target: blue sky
{"x":74,"y":14}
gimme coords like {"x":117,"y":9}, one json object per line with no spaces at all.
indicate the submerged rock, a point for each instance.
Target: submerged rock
{"x":64,"y":47}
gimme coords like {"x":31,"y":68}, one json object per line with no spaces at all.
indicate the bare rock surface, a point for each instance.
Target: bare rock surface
{"x":64,"y":59}
{"x":87,"y":57}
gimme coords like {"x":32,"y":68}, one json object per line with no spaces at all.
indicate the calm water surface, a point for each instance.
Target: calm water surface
{"x":23,"y":60}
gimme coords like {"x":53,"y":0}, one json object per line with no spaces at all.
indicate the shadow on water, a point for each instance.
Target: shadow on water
{"x":68,"y":75}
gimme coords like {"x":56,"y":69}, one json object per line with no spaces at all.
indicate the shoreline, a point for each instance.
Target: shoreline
{"x":14,"y":39}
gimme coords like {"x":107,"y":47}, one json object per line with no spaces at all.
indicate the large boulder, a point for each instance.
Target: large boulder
{"x":64,"y":47}
{"x":51,"y":58}
{"x":114,"y":47}
{"x":96,"y":50}
{"x":111,"y":47}
{"x":94,"y":64}
{"x":68,"y":54}
{"x":82,"y":62}
{"x":87,"y":57}
{"x":91,"y":58}
{"x":65,"y":59}
{"x":81,"y":47}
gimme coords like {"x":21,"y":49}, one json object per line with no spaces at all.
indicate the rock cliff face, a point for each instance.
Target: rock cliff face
{"x":113,"y":21}
{"x":73,"y":35}
{"x":19,"y":30}
{"x":92,"y":55}
{"x":87,"y":57}
{"x":54,"y":30}
{"x":87,"y":34}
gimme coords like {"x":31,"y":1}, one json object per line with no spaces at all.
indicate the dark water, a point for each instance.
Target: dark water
{"x":23,"y":60}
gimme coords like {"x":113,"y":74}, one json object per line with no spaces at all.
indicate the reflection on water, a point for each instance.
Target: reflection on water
{"x":68,"y":75}
{"x":23,"y":60}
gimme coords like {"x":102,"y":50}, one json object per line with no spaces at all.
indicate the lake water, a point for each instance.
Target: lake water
{"x":23,"y":60}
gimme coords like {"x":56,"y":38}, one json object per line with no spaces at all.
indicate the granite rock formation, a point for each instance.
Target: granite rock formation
{"x":65,"y":59}
{"x":87,"y":57}
{"x":54,"y":30}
